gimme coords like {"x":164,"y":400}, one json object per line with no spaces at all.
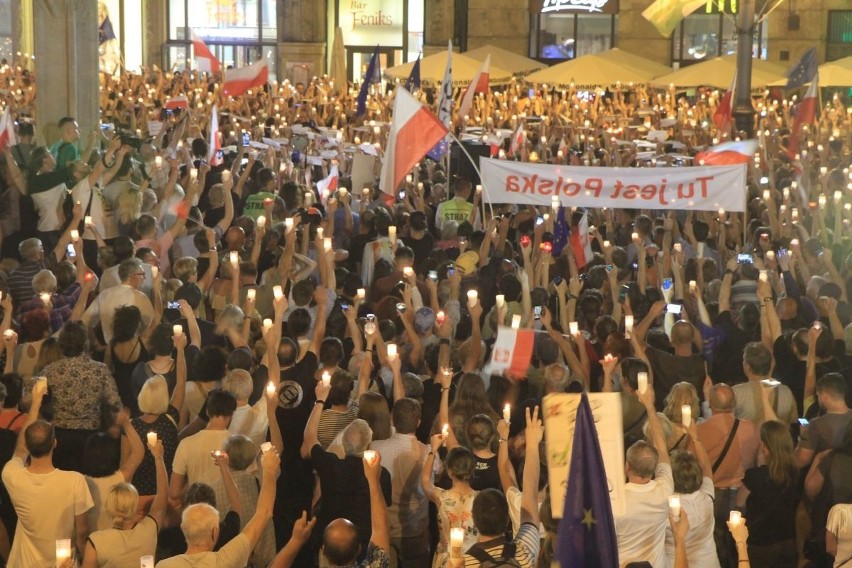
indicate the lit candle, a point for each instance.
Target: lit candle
{"x":45,"y":298}
{"x":326,"y":379}
{"x":634,"y":236}
{"x":177,"y":329}
{"x":392,"y":234}
{"x":8,"y":334}
{"x":678,"y":248}
{"x":235,"y":258}
{"x":63,"y":550}
{"x":607,"y":244}
{"x":278,"y":292}
{"x":267,"y":324}
{"x":320,"y":232}
{"x":764,"y":276}
{"x":342,"y":193}
{"x":361,"y":294}
{"x":507,"y":413}
{"x":391,"y":351}
{"x":838,"y":197}
{"x":770,"y":255}
{"x":158,"y":162}
{"x":501,"y":300}
{"x":456,"y":543}
{"x":693,"y":285}
{"x":445,"y":430}
{"x":686,"y":415}
{"x":735,"y":518}
{"x":87,"y":220}
{"x":794,"y":243}
{"x":155,"y":271}
{"x":251,"y":294}
{"x":265,"y":447}
{"x":270,"y":388}
{"x":766,"y":195}
{"x":152,"y":438}
{"x":472,"y":298}
{"x":261,"y":222}
{"x":408,"y":272}
{"x":628,"y":323}
{"x":193,"y":174}
{"x":699,"y":250}
{"x":75,"y":235}
{"x":370,"y":456}
{"x":608,"y":358}
{"x":288,"y":224}
{"x":326,"y":244}
{"x":674,"y":506}
{"x":516,"y":321}
{"x":146,"y":561}
{"x":573,"y":328}
{"x":822,"y":200}
{"x":309,"y":198}
{"x":642,"y":381}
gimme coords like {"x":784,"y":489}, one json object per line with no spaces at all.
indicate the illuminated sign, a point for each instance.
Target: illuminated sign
{"x":368,"y":22}
{"x":591,"y":6}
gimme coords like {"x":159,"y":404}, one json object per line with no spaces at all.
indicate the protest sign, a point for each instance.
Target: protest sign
{"x":702,"y":188}
{"x":560,"y":415}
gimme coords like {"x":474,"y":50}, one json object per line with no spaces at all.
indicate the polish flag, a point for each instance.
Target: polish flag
{"x":7,"y":131}
{"x":414,"y":131}
{"x":805,"y":114}
{"x":204,"y":58}
{"x":512,"y":352}
{"x":327,"y":186}
{"x":728,"y":153}
{"x":177,"y":102}
{"x":581,"y":244}
{"x":725,"y":111}
{"x":238,"y":81}
{"x":478,"y":84}
{"x":518,"y":139}
{"x":215,"y":140}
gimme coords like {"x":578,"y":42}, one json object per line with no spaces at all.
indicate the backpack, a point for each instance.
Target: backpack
{"x":505,"y":560}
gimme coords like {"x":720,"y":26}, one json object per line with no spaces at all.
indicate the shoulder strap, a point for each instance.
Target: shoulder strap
{"x":727,"y":447}
{"x":480,"y":554}
{"x":676,"y":444}
{"x":15,"y":419}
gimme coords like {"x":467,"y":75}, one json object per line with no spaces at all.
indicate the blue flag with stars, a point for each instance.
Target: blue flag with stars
{"x":561,"y":232}
{"x":804,"y":71}
{"x":587,"y":531}
{"x":373,"y":75}
{"x":413,"y":81}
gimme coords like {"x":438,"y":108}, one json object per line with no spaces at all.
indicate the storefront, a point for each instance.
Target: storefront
{"x":396,"y":26}
{"x":709,"y":33}
{"x":237,"y":31}
{"x":566,"y":29}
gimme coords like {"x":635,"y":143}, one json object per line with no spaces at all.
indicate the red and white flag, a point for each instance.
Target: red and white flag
{"x":728,"y":153}
{"x":215,"y":143}
{"x":478,"y":84}
{"x":805,"y":114}
{"x":7,"y":131}
{"x":581,"y":243}
{"x":204,"y":58}
{"x":414,"y":131}
{"x":238,"y":81}
{"x":512,"y":351}
{"x":327,"y":186}
{"x":725,"y":111}
{"x":177,"y":102}
{"x":518,"y":139}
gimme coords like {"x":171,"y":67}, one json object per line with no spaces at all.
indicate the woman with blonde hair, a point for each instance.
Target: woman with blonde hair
{"x":682,"y":394}
{"x":129,"y":209}
{"x":127,"y":541}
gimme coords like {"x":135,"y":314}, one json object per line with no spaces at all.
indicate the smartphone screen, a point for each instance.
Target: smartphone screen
{"x":70,"y":250}
{"x":673,"y":309}
{"x":246,"y":139}
{"x":537,"y":312}
{"x":744,"y":258}
{"x":667,"y":285}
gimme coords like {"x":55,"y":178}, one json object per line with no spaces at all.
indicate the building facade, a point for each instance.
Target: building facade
{"x":295,"y":36}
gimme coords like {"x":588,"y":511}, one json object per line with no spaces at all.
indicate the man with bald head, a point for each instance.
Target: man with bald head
{"x":685,"y":364}
{"x":732,"y":446}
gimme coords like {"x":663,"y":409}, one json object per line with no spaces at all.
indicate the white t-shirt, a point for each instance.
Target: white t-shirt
{"x":48,"y":204}
{"x":193,"y":460}
{"x":700,"y":546}
{"x":103,"y":216}
{"x":641,"y":531}
{"x":251,"y":421}
{"x":840,"y":524}
{"x":47,"y":504}
{"x":103,"y":308}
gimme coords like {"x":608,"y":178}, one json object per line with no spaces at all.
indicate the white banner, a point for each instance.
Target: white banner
{"x":702,"y":188}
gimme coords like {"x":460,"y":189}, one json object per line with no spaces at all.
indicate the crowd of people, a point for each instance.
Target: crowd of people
{"x":211,"y":359}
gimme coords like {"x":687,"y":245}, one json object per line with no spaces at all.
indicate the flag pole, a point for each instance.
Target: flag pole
{"x":479,"y":173}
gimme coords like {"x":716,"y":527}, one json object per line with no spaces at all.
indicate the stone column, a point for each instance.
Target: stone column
{"x":439,"y":26}
{"x":302,"y":41}
{"x":66,"y":48}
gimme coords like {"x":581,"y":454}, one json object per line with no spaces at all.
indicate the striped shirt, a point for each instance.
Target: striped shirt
{"x":332,"y":422}
{"x":21,"y":279}
{"x":527,"y":546}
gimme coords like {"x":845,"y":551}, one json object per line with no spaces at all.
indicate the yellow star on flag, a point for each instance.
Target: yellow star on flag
{"x":588,"y":518}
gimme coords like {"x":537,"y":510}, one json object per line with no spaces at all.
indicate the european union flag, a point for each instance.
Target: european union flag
{"x":804,"y":71}
{"x":369,"y":78}
{"x":587,"y":531}
{"x":413,"y":81}
{"x":561,"y":232}
{"x":105,"y":31}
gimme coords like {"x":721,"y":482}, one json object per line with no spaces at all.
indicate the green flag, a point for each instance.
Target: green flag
{"x":665,"y":15}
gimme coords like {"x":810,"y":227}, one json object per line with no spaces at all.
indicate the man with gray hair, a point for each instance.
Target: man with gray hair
{"x":641,"y":530}
{"x":250,"y":421}
{"x":200,"y":526}
{"x":60,"y":305}
{"x":345,"y":491}
{"x":102,"y":310}
{"x":33,"y":260}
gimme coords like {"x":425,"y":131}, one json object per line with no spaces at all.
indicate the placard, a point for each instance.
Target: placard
{"x":363,"y":171}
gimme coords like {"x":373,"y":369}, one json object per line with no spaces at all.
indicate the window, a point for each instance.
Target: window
{"x":238,"y":32}
{"x":6,"y":30}
{"x":703,"y":36}
{"x":558,"y":35}
{"x":839,"y":40}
